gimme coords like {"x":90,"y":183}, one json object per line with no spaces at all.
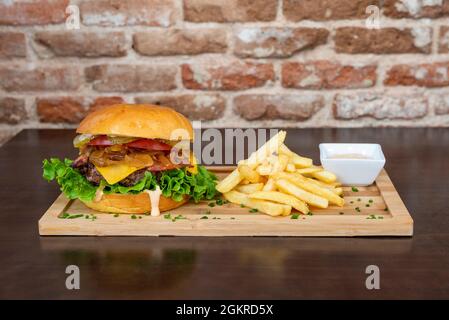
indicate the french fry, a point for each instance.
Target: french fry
{"x":325,"y":176}
{"x":290,"y":167}
{"x":290,"y":188}
{"x":249,"y":188}
{"x":229,"y":182}
{"x":280,"y":197}
{"x":269,"y":186}
{"x":249,"y":174}
{"x":307,"y":185}
{"x":309,"y":170}
{"x":265,"y":169}
{"x":297,"y":160}
{"x":282,"y":161}
{"x":270,"y":147}
{"x":338,"y":191}
{"x":270,"y":208}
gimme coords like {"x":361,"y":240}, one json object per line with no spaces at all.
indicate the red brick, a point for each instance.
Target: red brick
{"x":324,"y":74}
{"x":229,"y":10}
{"x":379,"y":106}
{"x":276,"y":42}
{"x":128,"y":13}
{"x":296,"y":10}
{"x":12,"y":45}
{"x":60,"y":110}
{"x":194,"y":106}
{"x":271,"y":107}
{"x":440,"y":103}
{"x":12,"y":110}
{"x":383,"y":41}
{"x":416,"y":8}
{"x":101,"y":102}
{"x":443,"y":44}
{"x":32,"y":12}
{"x":83,"y":44}
{"x":178,"y":42}
{"x":423,"y":75}
{"x":39,"y":78}
{"x":129,"y":78}
{"x":233,"y":75}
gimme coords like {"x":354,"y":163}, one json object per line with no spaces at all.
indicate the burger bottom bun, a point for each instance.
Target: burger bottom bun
{"x":132,"y":203}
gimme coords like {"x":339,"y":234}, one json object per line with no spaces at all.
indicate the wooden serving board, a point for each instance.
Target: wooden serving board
{"x":386,"y":215}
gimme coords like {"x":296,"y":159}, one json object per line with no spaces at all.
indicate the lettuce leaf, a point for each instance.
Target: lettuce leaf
{"x":72,"y":183}
{"x":173,"y":183}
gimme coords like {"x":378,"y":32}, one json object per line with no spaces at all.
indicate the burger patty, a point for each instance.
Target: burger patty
{"x":88,"y":169}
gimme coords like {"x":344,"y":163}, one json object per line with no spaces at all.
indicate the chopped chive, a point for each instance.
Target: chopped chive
{"x":232,"y":218}
{"x":370,"y":201}
{"x":116,"y":215}
{"x":310,"y":213}
{"x":294,"y":216}
{"x":341,"y":213}
{"x":386,"y":209}
{"x":211,"y":204}
{"x":351,"y":202}
{"x":253,"y":210}
{"x":359,"y":199}
{"x":354,"y":189}
{"x":204,"y":217}
{"x":242,"y":206}
{"x":140,"y":217}
{"x":167,"y":216}
{"x":219,"y":202}
{"x":133,"y":216}
{"x":367,"y":205}
{"x":75,"y":216}
{"x":358,"y":209}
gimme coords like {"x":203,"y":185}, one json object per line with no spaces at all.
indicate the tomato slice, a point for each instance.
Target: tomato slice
{"x":149,"y":144}
{"x":100,"y":141}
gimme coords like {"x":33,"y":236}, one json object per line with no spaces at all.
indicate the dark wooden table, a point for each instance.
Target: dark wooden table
{"x":230,"y":268}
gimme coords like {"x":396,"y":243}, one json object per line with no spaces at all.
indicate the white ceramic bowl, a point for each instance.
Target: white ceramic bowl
{"x":353,"y":172}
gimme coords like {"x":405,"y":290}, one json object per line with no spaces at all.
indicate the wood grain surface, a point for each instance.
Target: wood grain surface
{"x":230,"y":267}
{"x":385,"y":215}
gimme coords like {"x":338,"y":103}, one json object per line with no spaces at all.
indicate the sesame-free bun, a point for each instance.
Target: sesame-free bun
{"x":137,"y":120}
{"x":131,"y":203}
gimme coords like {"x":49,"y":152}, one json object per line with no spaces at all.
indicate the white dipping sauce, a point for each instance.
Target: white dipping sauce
{"x":98,"y":194}
{"x":154,"y":195}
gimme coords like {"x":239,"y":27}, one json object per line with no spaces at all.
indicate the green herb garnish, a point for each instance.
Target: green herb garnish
{"x":66,"y":215}
{"x":116,"y":215}
{"x":253,"y":210}
{"x":354,"y":189}
{"x":294,"y":216}
{"x":133,"y":216}
{"x":204,"y":217}
{"x":174,"y":184}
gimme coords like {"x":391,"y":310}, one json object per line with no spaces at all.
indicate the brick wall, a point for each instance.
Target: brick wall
{"x":290,"y":63}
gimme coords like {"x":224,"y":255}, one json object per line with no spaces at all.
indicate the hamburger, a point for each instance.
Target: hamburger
{"x":133,"y":159}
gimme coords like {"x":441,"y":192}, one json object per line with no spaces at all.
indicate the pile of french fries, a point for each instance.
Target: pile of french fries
{"x":275,"y":180}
